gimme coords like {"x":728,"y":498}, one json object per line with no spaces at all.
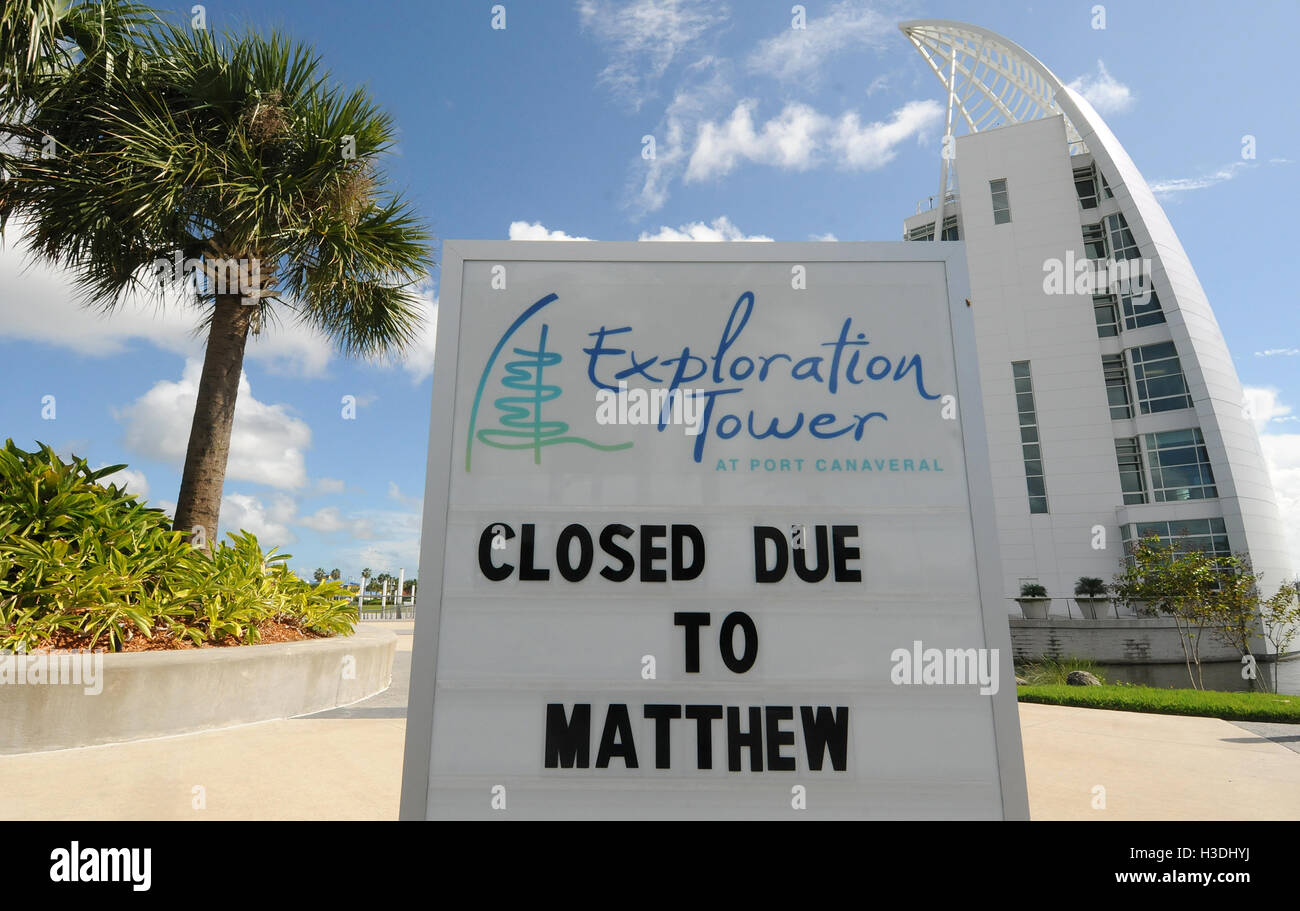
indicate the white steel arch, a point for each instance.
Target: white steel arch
{"x":990,"y":80}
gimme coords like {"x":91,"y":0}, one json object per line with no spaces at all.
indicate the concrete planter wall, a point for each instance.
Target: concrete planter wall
{"x":157,"y":694}
{"x":1110,"y":641}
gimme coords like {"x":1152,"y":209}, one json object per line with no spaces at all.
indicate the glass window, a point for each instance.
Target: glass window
{"x":1094,"y":241}
{"x":1158,"y":375}
{"x":1035,"y":482}
{"x":1121,"y":238}
{"x":1105,"y":187}
{"x":1192,"y":534}
{"x":1103,"y":308}
{"x":1113,"y":369}
{"x":1180,"y":465}
{"x":1132,"y":481}
{"x":1085,"y":184}
{"x":1001,"y":201}
{"x":926,"y":232}
{"x":1139,"y":313}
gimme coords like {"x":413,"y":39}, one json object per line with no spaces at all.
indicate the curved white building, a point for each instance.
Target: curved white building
{"x":1107,"y":410}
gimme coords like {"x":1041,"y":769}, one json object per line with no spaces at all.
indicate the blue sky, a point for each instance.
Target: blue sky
{"x":761,"y":131}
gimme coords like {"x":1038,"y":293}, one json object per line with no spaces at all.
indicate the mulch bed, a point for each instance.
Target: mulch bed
{"x":163,"y":640}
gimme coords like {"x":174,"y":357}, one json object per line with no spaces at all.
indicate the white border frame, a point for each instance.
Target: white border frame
{"x":437,"y":488}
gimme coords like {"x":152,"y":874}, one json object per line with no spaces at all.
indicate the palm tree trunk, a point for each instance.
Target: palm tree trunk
{"x":199,"y":503}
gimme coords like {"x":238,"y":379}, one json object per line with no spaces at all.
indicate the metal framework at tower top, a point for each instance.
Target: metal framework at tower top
{"x":989,"y":80}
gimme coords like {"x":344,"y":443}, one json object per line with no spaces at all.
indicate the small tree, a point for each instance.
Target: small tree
{"x":320,"y":575}
{"x":1175,"y":580}
{"x":1281,"y":615}
{"x":1234,"y":607}
{"x":335,"y":574}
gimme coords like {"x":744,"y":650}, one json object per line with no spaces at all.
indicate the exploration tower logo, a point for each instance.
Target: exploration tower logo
{"x":697,"y":384}
{"x":521,"y":425}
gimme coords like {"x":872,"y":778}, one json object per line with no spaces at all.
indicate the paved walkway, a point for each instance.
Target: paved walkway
{"x":347,"y":764}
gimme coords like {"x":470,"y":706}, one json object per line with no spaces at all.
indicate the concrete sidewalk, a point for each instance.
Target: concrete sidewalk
{"x":347,"y":764}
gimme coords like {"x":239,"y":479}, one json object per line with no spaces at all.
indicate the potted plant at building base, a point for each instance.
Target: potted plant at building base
{"x":1090,"y":594}
{"x":1033,"y":601}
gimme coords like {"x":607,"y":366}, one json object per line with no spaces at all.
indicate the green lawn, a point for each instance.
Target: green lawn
{"x":1206,"y":703}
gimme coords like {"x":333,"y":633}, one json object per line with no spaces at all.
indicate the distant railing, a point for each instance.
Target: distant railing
{"x":925,"y":205}
{"x":389,"y":612}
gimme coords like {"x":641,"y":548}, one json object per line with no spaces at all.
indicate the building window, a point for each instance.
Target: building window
{"x":1180,"y":466}
{"x":1192,"y":534}
{"x":1001,"y":201}
{"x":926,"y":232}
{"x":1138,"y":313}
{"x":1085,"y":184}
{"x":1094,"y":241}
{"x":1159,"y":377}
{"x":1132,"y":480}
{"x":1113,"y":369}
{"x":1103,"y":308}
{"x":1121,"y":238}
{"x":1105,"y":187}
{"x":1031,"y":447}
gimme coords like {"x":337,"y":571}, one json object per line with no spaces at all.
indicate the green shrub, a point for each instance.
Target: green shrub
{"x":1032,"y":590}
{"x":1053,"y":671}
{"x":83,"y":563}
{"x":1090,"y":587}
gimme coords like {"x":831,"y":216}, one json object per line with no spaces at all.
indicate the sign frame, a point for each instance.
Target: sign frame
{"x":441,"y":457}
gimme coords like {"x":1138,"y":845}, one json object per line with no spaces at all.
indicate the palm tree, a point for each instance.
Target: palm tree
{"x":234,"y":153}
{"x":46,"y":44}
{"x":335,"y":574}
{"x":320,"y":575}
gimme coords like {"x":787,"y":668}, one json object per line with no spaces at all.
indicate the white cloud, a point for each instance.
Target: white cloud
{"x":326,"y":519}
{"x":1171,"y":187}
{"x":418,"y":359}
{"x":644,"y":37}
{"x":1282,"y":454}
{"x":395,"y":493}
{"x":866,"y":148}
{"x":134,"y":481}
{"x":242,"y":512}
{"x":720,"y":229}
{"x":800,"y":138}
{"x":329,"y":485}
{"x":525,"y":230}
{"x":787,"y":141}
{"x":800,"y":54}
{"x":267,"y":444}
{"x":41,"y":304}
{"x":392,"y":542}
{"x":823,"y":238}
{"x":1264,"y":405}
{"x":1278,"y":352}
{"x":1103,"y":91}
{"x":706,"y":89}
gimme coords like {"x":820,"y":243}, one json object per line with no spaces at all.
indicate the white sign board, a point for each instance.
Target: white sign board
{"x":708,"y":532}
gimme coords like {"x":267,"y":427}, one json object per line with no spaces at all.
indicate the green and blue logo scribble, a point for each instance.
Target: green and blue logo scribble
{"x":521,"y":423}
